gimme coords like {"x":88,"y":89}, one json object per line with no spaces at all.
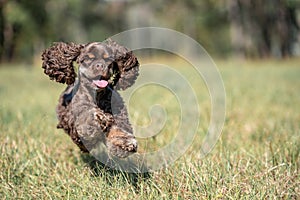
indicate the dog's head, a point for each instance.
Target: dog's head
{"x":101,"y":63}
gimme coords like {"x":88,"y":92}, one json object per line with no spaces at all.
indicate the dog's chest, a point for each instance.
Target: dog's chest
{"x":103,"y":100}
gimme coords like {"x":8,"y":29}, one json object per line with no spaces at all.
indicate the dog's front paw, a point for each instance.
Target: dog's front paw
{"x":105,"y":120}
{"x":120,"y":144}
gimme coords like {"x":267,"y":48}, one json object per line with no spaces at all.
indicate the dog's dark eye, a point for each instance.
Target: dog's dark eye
{"x":88,"y":60}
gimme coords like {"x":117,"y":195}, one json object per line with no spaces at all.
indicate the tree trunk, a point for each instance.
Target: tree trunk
{"x":1,"y":29}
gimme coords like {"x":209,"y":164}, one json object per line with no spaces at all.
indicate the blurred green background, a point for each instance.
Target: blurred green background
{"x":225,"y":28}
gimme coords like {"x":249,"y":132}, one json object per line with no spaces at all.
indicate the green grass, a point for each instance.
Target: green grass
{"x":257,"y":156}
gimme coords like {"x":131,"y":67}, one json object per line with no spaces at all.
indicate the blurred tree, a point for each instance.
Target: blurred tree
{"x":24,"y":25}
{"x":2,"y":3}
{"x":258,"y":28}
{"x":205,"y":21}
{"x":263,"y":28}
{"x":101,"y":19}
{"x":27,"y":26}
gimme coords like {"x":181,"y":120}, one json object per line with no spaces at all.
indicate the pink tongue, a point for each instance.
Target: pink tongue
{"x":100,"y":83}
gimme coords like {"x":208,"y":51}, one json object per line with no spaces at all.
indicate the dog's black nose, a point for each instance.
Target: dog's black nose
{"x":102,"y":70}
{"x":100,"y":66}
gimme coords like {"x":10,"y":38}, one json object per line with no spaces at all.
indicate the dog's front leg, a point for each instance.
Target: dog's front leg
{"x":105,"y":120}
{"x":92,"y":126}
{"x":120,"y":140}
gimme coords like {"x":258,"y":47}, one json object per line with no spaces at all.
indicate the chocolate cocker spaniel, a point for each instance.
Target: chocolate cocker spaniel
{"x":90,"y":110}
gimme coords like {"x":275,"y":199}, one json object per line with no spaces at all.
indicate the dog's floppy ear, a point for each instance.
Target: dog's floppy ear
{"x":58,"y":61}
{"x":127,"y":63}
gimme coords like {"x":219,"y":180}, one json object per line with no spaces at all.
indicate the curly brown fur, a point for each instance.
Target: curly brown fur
{"x":88,"y":111}
{"x":128,"y":61}
{"x":58,"y":62}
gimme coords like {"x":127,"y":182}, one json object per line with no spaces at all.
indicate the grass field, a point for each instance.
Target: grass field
{"x":257,"y":156}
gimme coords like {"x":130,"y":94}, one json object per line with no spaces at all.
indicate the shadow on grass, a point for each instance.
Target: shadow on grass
{"x":100,"y":169}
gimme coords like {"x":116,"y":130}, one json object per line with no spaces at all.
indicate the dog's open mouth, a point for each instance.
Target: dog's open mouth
{"x":100,"y":83}
{"x":103,"y":82}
